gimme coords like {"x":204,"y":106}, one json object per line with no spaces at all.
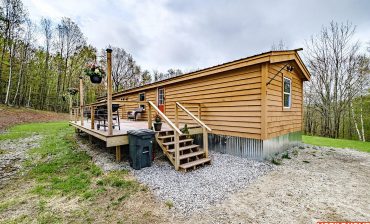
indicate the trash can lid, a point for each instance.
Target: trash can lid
{"x":141,"y":132}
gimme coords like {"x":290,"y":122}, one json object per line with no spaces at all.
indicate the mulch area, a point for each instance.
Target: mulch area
{"x":10,"y":116}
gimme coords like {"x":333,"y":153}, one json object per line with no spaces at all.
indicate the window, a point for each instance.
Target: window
{"x":287,"y":95}
{"x":141,"y":96}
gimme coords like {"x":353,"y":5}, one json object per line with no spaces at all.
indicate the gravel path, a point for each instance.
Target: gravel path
{"x":193,"y":191}
{"x":13,"y":153}
{"x":317,"y":184}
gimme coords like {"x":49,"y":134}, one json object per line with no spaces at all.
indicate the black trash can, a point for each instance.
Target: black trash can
{"x":141,"y":148}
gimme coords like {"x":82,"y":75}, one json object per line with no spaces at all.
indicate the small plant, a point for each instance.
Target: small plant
{"x":93,"y":69}
{"x":157,"y":123}
{"x":157,"y":119}
{"x":275,"y":160}
{"x":185,"y":131}
{"x":169,"y":204}
{"x":285,"y":155}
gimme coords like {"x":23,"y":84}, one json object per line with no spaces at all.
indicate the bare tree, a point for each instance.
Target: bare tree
{"x":281,"y":45}
{"x":27,"y":42}
{"x":125,"y":72}
{"x":333,"y":60}
{"x":70,"y":40}
{"x":14,"y":17}
{"x":47,"y":34}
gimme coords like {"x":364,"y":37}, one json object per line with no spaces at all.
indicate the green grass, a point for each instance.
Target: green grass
{"x":59,"y":168}
{"x":336,"y":143}
{"x":26,"y":130}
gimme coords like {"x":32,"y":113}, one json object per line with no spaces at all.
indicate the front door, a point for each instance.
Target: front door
{"x":161,"y":99}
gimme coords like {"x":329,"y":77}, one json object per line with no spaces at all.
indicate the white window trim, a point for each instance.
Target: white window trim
{"x":160,"y":95}
{"x":290,"y":93}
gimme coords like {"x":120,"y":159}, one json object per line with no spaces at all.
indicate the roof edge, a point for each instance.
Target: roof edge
{"x":243,"y":62}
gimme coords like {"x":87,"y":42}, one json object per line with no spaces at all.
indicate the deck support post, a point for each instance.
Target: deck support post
{"x":92,"y":112}
{"x":205,"y":141}
{"x":81,"y":101}
{"x":70,"y":108}
{"x":149,"y":116}
{"x":118,"y":153}
{"x":176,"y":116}
{"x":177,"y":151}
{"x":109,"y":91}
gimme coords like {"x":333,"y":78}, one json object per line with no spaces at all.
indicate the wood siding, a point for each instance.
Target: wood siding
{"x":150,"y":95}
{"x":232,"y":102}
{"x":281,"y":120}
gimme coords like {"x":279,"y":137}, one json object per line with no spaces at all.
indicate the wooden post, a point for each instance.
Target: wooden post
{"x":109,"y":91}
{"x":199,"y":111}
{"x":92,"y":112}
{"x":70,"y":108}
{"x":264,"y":74}
{"x":81,"y":101}
{"x":205,"y":141}
{"x":118,"y":153}
{"x":177,"y":151}
{"x":149,"y":116}
{"x":176,"y":115}
{"x":75,"y":112}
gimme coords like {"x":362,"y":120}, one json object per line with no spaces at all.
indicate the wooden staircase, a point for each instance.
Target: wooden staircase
{"x":191,"y":155}
{"x":179,"y":148}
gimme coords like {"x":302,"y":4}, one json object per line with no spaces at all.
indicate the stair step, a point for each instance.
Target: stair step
{"x":180,"y":141}
{"x":164,"y":132}
{"x":184,"y":148}
{"x":192,"y":154}
{"x":168,"y":136}
{"x":194,"y":163}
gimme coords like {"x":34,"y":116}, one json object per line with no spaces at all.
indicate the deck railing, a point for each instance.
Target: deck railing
{"x":175,"y":129}
{"x":205,"y":128}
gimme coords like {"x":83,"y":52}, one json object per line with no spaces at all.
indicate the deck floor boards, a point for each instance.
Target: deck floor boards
{"x":125,"y":125}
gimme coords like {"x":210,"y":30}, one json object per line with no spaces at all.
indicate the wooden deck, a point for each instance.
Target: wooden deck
{"x":120,"y":137}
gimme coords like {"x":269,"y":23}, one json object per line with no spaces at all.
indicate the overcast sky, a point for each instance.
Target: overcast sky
{"x":192,"y":34}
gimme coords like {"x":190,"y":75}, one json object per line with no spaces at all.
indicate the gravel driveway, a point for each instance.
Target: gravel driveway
{"x":317,"y":183}
{"x":196,"y":190}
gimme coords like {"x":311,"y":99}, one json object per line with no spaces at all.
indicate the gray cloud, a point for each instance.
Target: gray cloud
{"x":195,"y":34}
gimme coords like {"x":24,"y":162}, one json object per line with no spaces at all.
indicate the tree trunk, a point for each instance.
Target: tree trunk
{"x":29,"y":97}
{"x":355,"y":122}
{"x":362,"y":120}
{"x":10,"y":74}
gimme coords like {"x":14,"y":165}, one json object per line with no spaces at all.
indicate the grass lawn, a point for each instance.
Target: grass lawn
{"x":337,"y":143}
{"x":58,"y":169}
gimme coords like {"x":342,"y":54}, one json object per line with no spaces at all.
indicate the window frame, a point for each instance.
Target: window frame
{"x":142,"y":93}
{"x":288,"y":93}
{"x":161,"y":99}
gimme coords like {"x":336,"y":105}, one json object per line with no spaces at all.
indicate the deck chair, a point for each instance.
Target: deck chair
{"x":133,"y":114}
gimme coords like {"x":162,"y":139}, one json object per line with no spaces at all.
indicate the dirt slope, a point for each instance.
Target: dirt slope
{"x":10,"y":116}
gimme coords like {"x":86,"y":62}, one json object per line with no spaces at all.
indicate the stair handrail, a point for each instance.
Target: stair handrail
{"x":194,"y":117}
{"x":177,"y":131}
{"x":164,"y":117}
{"x":205,"y":128}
